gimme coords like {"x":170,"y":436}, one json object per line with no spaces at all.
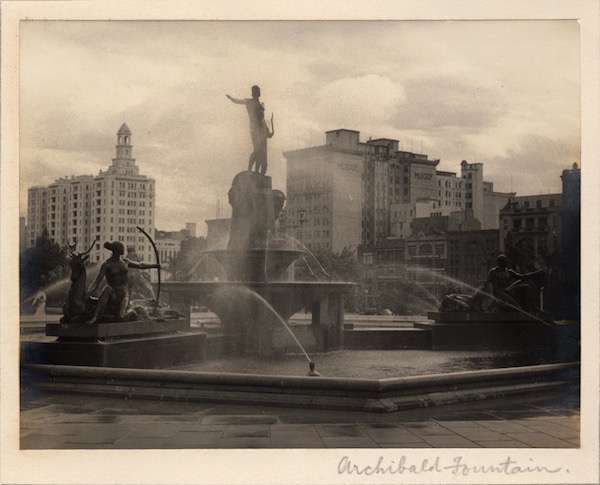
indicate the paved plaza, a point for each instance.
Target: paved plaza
{"x":63,"y":421}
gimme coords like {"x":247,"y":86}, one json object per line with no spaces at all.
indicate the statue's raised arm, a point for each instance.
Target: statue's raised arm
{"x":235,"y":100}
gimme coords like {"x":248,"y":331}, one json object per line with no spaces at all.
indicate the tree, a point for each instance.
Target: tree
{"x":326,"y":265}
{"x":42,"y":265}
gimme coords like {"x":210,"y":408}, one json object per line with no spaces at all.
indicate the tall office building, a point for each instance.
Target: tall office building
{"x":106,"y":207}
{"x":325,"y":192}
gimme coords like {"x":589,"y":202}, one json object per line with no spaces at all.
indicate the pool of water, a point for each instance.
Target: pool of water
{"x":374,"y":364}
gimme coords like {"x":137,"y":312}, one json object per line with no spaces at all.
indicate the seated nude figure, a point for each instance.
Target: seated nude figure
{"x":115,"y":296}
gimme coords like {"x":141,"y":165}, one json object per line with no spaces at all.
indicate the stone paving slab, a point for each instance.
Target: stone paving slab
{"x":247,"y":431}
{"x":449,"y":441}
{"x":394,"y":434}
{"x":339,"y":431}
{"x":540,"y":440}
{"x":508,"y":443}
{"x":349,"y":442}
{"x":502,"y":426}
{"x":249,"y":419}
{"x":428,"y":428}
{"x":480,"y":434}
{"x":555,"y":430}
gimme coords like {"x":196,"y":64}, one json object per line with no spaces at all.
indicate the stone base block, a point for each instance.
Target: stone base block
{"x":156,"y":352}
{"x":489,"y":336}
{"x":489,"y":317}
{"x":102,"y":331}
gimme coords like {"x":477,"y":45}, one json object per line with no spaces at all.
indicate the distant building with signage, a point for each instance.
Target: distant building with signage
{"x":325,"y":193}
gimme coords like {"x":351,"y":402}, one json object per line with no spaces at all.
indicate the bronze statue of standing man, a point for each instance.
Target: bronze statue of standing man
{"x":259,"y":131}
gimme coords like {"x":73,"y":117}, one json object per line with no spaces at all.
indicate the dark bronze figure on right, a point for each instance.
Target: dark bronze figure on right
{"x":259,"y":131}
{"x":511,"y":290}
{"x":504,"y":290}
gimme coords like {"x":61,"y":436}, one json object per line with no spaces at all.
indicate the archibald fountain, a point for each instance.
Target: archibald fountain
{"x":116,"y":354}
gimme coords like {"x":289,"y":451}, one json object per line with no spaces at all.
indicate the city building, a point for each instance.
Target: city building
{"x":471,"y":255}
{"x":168,"y":243}
{"x":570,"y":245}
{"x":173,"y":244}
{"x":325,"y":193}
{"x":530,"y":230}
{"x":22,"y":232}
{"x":349,"y":193}
{"x":106,"y":207}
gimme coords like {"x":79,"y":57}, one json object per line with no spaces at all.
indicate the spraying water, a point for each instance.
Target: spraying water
{"x":309,"y":252}
{"x":267,"y":305}
{"x":480,"y":290}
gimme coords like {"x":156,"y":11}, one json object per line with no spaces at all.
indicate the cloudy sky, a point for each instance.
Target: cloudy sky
{"x":504,"y":93}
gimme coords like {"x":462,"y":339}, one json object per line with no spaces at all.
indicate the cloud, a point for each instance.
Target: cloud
{"x":540,"y":161}
{"x":353,"y":102}
{"x":446,"y":102}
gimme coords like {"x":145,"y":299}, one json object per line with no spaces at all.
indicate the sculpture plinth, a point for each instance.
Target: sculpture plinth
{"x":253,"y":251}
{"x":147,"y":344}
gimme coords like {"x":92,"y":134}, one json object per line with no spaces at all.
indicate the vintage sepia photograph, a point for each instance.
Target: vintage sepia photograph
{"x":248,"y":243}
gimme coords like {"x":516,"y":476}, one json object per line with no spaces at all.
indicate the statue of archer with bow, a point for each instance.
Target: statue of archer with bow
{"x":114,"y":299}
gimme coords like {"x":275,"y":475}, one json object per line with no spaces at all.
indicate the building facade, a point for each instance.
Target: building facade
{"x":471,"y":255}
{"x":325,"y":193}
{"x":106,"y":207}
{"x":530,"y":229}
{"x":570,"y":245}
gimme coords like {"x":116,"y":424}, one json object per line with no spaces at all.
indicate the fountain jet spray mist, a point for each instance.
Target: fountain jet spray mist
{"x":465,"y":285}
{"x":267,"y":305}
{"x":293,"y":239}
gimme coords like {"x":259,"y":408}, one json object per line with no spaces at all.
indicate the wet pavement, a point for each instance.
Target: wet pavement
{"x":64,"y":421}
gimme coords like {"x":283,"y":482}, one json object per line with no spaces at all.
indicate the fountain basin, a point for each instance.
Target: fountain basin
{"x":371,"y":395}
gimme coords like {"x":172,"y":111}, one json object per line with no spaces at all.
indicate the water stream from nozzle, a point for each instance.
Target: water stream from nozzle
{"x":272,"y":310}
